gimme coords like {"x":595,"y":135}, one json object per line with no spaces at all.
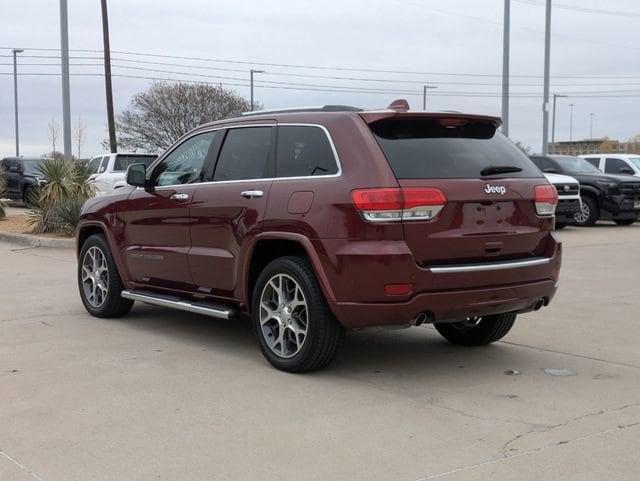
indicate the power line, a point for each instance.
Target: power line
{"x":297,"y":66}
{"x":587,"y":94}
{"x":330,"y":77}
{"x":598,"y":11}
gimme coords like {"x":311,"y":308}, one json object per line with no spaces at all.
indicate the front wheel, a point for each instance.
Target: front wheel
{"x":296,"y":330}
{"x":624,"y":221}
{"x":589,"y":214}
{"x":98,"y":280}
{"x":477,"y":331}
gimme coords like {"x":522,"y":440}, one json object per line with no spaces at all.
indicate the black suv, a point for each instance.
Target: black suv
{"x":604,"y":196}
{"x":23,"y":177}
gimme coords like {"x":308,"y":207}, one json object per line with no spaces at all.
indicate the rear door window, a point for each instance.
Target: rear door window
{"x":433,"y":148}
{"x":245,"y":154}
{"x":304,"y":150}
{"x":615,"y":166}
{"x":545,"y":164}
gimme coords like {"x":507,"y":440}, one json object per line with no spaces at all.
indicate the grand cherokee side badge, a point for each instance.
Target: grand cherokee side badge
{"x":495,"y":189}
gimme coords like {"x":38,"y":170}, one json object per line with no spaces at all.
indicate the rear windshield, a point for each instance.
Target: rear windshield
{"x":124,"y":161}
{"x":431,"y":148}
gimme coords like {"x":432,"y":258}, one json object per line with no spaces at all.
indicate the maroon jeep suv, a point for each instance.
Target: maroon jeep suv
{"x":315,"y":221}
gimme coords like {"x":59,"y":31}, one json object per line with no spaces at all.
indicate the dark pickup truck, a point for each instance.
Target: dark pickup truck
{"x":604,"y":196}
{"x":23,"y":177}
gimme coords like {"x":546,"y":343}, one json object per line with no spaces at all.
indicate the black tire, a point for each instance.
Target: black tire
{"x":624,"y":221}
{"x":477,"y":332}
{"x":113,"y":304}
{"x":324,"y":333}
{"x":590,"y":214}
{"x":560,"y":226}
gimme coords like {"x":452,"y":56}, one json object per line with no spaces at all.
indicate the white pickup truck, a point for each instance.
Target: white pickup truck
{"x":109,"y":169}
{"x":569,"y":201}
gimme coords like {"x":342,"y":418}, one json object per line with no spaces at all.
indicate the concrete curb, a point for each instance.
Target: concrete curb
{"x":37,"y":241}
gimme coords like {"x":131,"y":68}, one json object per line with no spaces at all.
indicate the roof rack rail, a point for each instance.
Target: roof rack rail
{"x":320,"y":108}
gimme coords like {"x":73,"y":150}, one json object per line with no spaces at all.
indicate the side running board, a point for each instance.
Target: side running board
{"x":208,"y":309}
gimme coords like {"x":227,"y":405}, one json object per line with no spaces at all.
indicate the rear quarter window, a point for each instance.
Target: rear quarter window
{"x":431,"y":148}
{"x":304,"y":150}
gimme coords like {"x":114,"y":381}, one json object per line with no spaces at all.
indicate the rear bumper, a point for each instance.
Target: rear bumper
{"x":448,"y":305}
{"x":358,"y":272}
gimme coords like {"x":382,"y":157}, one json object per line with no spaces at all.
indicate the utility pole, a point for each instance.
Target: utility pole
{"x":553,"y":119}
{"x":505,"y":67}
{"x":591,"y":125}
{"x":64,"y":53}
{"x":107,"y":78}
{"x":16,"y":51}
{"x":547,"y":65}
{"x":571,"y":106}
{"x":424,"y":95}
{"x":251,"y":72}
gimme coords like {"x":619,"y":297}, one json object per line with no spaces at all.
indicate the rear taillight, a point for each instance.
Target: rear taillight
{"x":546,"y":199}
{"x":396,"y":204}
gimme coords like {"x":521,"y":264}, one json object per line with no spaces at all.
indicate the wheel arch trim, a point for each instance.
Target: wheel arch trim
{"x":306,"y":245}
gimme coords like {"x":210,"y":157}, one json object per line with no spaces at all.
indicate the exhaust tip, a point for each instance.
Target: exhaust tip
{"x":425,"y":317}
{"x":538,"y":305}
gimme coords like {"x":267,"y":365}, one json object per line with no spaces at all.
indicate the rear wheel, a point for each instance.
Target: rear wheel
{"x":98,"y":280}
{"x":477,"y":331}
{"x":589,"y":214}
{"x":296,"y":330}
{"x":624,"y":221}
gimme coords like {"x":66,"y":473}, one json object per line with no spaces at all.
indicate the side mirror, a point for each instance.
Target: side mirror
{"x":627,"y":171}
{"x":550,"y":170}
{"x":137,"y":175}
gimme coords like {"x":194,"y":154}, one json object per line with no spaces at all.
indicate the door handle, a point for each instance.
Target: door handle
{"x":180,"y":197}
{"x":252,"y":194}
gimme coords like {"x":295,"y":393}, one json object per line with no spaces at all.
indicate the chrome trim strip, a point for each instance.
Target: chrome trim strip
{"x":490,"y":266}
{"x":158,"y":300}
{"x":300,"y":124}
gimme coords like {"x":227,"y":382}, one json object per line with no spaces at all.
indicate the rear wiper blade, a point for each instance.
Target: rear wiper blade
{"x":500,"y":169}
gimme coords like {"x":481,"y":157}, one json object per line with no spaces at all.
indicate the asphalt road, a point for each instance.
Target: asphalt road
{"x":176,"y":396}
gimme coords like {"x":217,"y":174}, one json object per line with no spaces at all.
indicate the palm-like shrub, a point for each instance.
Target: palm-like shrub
{"x":65,"y":189}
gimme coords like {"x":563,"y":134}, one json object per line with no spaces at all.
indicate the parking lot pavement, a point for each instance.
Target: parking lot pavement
{"x":170,"y":395}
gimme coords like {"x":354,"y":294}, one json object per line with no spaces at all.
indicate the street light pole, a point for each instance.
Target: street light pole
{"x":64,"y":55}
{"x":553,"y":119}
{"x":251,"y":72}
{"x":591,"y":125}
{"x":571,"y":122}
{"x":505,"y":68}
{"x":545,"y":101}
{"x":424,"y":95}
{"x":15,"y":96}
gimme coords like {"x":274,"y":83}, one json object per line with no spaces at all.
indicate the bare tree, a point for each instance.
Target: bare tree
{"x":159,"y":116}
{"x":53,"y":130}
{"x":79,"y":134}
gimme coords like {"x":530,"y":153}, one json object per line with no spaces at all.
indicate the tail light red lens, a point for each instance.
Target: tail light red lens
{"x":396,"y":204}
{"x":546,"y":199}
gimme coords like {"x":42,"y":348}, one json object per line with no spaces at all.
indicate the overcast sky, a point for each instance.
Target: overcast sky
{"x":591,"y":52}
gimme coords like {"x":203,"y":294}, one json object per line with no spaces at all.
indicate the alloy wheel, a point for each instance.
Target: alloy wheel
{"x":284,"y":316}
{"x":95,"y":277}
{"x":583,"y":215}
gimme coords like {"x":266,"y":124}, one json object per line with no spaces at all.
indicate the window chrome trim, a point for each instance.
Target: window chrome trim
{"x":261,"y":179}
{"x":490,"y":266}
